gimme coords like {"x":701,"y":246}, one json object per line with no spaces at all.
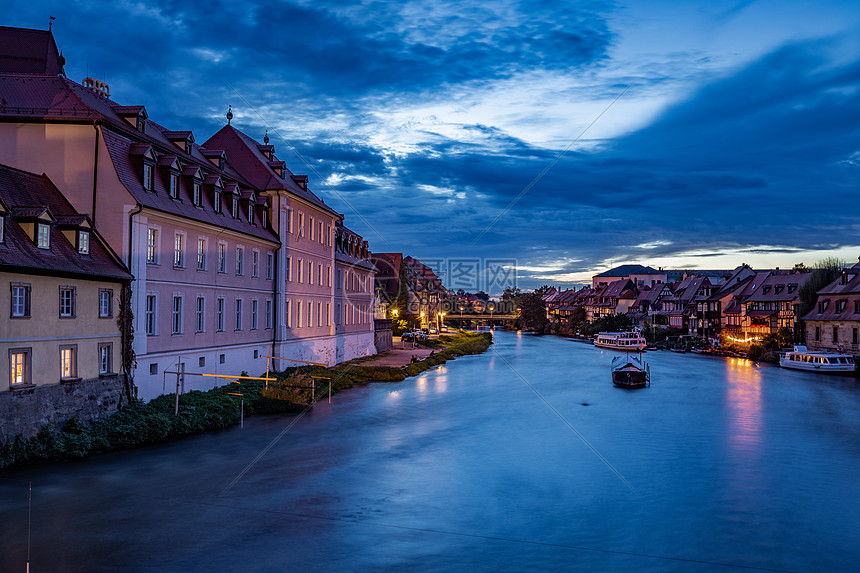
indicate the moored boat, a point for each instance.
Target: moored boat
{"x":630,"y":372}
{"x":828,"y":362}
{"x":626,"y":341}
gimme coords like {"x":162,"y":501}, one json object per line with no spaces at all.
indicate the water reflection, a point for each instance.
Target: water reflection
{"x":743,"y":393}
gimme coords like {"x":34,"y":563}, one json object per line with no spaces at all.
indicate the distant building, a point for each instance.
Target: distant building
{"x":834,"y":321}
{"x":638,"y":274}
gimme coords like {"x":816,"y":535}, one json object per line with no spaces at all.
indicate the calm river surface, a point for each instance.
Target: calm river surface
{"x":719,"y":466}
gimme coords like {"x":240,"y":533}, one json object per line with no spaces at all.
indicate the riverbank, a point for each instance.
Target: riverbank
{"x":295,"y":390}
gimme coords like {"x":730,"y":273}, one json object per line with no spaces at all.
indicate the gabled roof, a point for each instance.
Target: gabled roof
{"x":25,"y":51}
{"x":245,"y":155}
{"x":20,"y":254}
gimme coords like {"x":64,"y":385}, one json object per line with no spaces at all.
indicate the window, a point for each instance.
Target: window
{"x":222,"y":257}
{"x":251,"y":210}
{"x":218,"y":201}
{"x":299,"y":270}
{"x":234,"y":207}
{"x":105,"y":358}
{"x":43,"y":236}
{"x":835,"y":334}
{"x":822,"y":306}
{"x":328,"y":275}
{"x":222,"y":358}
{"x":201,"y":254}
{"x":289,"y":220}
{"x":240,"y":256}
{"x":178,"y":251}
{"x":840,"y":305}
{"x":238,"y":314}
{"x":152,"y":246}
{"x":68,"y":362}
{"x":201,"y":316}
{"x":310,"y":272}
{"x":201,"y":362}
{"x":153,"y":368}
{"x":309,"y":314}
{"x":19,"y":366}
{"x":817,"y":333}
{"x":219,"y":315}
{"x":174,"y":185}
{"x":177,"y":315}
{"x":319,"y":274}
{"x":2,"y":229}
{"x":255,"y":264}
{"x":265,"y":218}
{"x":321,"y":233}
{"x":83,"y":242}
{"x":150,"y":315}
{"x":67,"y":302}
{"x":287,"y":273}
{"x":20,"y":300}
{"x":105,"y":303}
{"x":269,"y":316}
{"x":319,"y":314}
{"x":327,"y":314}
{"x":857,"y":307}
{"x":298,"y":314}
{"x":148,"y":181}
{"x":853,"y":336}
{"x":270,"y":261}
{"x":254,"y":307}
{"x":301,"y":224}
{"x":196,"y":196}
{"x":311,"y":225}
{"x":287,"y":314}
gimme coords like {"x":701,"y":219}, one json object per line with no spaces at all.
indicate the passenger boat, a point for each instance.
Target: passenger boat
{"x":830,"y":362}
{"x":627,"y":341}
{"x":630,"y":372}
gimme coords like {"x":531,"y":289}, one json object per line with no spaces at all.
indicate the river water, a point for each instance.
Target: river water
{"x":523,"y":458}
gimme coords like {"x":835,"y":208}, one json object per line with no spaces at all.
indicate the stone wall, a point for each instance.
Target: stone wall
{"x":24,"y":411}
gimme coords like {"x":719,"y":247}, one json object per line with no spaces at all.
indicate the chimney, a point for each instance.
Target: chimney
{"x":97,"y":86}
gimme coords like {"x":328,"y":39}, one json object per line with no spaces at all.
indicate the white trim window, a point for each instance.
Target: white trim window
{"x":68,"y":361}
{"x":83,"y":242}
{"x":201,"y":314}
{"x":151,"y":315}
{"x":67,"y":302}
{"x":152,"y":246}
{"x":240,"y":261}
{"x":201,"y":254}
{"x":20,"y":300}
{"x":43,"y":236}
{"x":238,"y":325}
{"x":255,"y":264}
{"x":222,"y":257}
{"x":270,"y":265}
{"x":219,"y":314}
{"x":269,"y":315}
{"x":105,"y":303}
{"x":255,"y":305}
{"x":177,"y":315}
{"x":105,"y":358}
{"x":19,"y":366}
{"x":179,"y":250}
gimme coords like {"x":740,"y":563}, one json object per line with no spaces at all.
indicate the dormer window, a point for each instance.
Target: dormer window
{"x":2,"y":229}
{"x":141,"y":123}
{"x":218,"y":207}
{"x":84,"y":242}
{"x":234,"y":207}
{"x":148,"y":180}
{"x":251,"y":211}
{"x":792,"y":288}
{"x":265,"y":220}
{"x":43,"y":236}
{"x":173,"y":178}
{"x":196,"y":195}
{"x":822,"y":306}
{"x":840,"y":305}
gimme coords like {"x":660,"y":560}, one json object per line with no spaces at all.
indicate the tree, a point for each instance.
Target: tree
{"x":510,"y":293}
{"x":824,"y":273}
{"x":532,"y":312}
{"x":482,"y":295}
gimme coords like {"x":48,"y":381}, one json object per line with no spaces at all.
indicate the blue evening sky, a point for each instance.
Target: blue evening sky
{"x":736,"y":137}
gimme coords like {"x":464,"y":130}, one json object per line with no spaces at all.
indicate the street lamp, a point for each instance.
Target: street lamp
{"x":492,"y":308}
{"x":462,"y":308}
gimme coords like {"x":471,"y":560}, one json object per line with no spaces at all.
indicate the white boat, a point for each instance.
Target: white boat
{"x":829,"y":362}
{"x":626,"y":341}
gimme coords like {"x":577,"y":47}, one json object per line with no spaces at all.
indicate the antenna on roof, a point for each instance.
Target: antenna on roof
{"x":50,"y":22}
{"x":229,"y":113}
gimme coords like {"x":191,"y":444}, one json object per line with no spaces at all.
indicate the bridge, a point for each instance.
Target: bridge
{"x":482,"y":319}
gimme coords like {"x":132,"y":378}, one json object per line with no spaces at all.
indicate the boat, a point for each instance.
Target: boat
{"x":630,"y":372}
{"x":828,"y":362}
{"x":627,"y":341}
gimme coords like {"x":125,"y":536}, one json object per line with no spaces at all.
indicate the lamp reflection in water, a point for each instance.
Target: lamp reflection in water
{"x":745,"y":471}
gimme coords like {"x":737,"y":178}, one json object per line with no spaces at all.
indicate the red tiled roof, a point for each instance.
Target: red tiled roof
{"x":20,"y":252}
{"x":25,"y":51}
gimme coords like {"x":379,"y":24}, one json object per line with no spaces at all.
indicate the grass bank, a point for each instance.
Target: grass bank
{"x":154,"y":422}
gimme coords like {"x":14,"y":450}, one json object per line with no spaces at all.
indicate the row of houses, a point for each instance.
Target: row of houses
{"x":741,"y":304}
{"x":128,"y":247}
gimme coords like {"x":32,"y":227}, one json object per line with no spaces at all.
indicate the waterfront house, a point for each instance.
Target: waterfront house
{"x":834,"y":321}
{"x":64,"y":345}
{"x":640,"y":276}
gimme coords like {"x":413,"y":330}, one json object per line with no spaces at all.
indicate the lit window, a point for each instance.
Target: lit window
{"x":19,"y":362}
{"x":83,"y":242}
{"x":67,"y":302}
{"x":178,"y":251}
{"x":105,"y":358}
{"x":177,"y":315}
{"x":20,"y":300}
{"x":151,"y":315}
{"x":152,"y":246}
{"x":43,"y":236}
{"x":201,"y":254}
{"x":105,"y":303}
{"x":68,"y":365}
